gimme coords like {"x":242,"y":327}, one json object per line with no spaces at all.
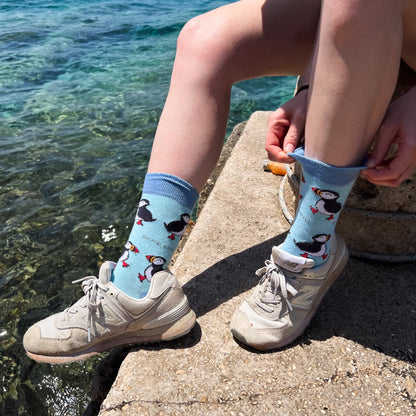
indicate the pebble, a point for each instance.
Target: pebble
{"x":180,"y":372}
{"x":410,"y":384}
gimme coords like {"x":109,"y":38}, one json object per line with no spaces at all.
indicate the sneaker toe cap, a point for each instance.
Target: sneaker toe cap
{"x":44,"y":337}
{"x":262,"y":339}
{"x":32,"y":339}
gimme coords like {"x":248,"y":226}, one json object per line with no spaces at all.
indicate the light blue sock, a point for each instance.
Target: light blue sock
{"x":323,"y":192}
{"x":161,"y":219}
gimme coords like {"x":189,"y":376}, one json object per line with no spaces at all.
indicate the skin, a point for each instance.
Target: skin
{"x":329,"y":43}
{"x":239,"y":41}
{"x":397,"y":127}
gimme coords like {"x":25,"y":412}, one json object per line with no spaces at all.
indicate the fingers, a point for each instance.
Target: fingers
{"x":377,"y":178}
{"x":392,"y":172}
{"x":382,"y":171}
{"x":276,"y":154}
{"x":285,"y":129}
{"x":295,"y":132}
{"x":386,"y":135}
{"x":278,"y":126}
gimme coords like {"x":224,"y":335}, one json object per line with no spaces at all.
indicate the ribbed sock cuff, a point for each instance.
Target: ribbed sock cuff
{"x":326,"y":173}
{"x":172,"y":187}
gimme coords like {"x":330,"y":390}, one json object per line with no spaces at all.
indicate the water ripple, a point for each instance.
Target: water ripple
{"x":82,"y":86}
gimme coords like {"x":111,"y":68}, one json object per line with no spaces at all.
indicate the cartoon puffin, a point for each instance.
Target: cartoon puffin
{"x":157,"y":263}
{"x":328,"y":204}
{"x":317,"y":248}
{"x":177,"y":227}
{"x":143,"y":214}
{"x":128,"y":247}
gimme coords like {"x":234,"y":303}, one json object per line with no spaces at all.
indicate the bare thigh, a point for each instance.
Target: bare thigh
{"x":253,"y":38}
{"x":409,"y":35}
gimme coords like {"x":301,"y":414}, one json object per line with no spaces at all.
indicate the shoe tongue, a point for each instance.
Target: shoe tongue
{"x":291,"y":262}
{"x":106,"y":270}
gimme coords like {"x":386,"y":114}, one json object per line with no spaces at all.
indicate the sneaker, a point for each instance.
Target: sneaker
{"x":105,"y":318}
{"x":286,"y":298}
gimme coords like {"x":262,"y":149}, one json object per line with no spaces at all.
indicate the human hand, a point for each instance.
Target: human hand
{"x":286,"y":127}
{"x":399,"y":127}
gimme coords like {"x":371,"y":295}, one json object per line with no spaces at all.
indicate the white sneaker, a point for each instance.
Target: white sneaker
{"x":286,"y":298}
{"x":105,"y":318}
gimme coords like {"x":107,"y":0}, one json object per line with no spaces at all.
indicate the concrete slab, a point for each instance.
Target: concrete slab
{"x":356,"y":358}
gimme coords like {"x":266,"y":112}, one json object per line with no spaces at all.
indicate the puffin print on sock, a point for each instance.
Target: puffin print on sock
{"x":316,"y":248}
{"x":143,"y":213}
{"x":156,"y":265}
{"x":177,"y":227}
{"x":164,"y":198}
{"x":128,"y":248}
{"x":323,"y":191}
{"x":327,"y":204}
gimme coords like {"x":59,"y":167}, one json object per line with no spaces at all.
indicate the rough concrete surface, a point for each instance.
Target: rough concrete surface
{"x":356,"y":357}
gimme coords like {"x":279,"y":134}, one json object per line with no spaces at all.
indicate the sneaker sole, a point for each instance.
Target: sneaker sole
{"x":180,"y":328}
{"x":301,"y":329}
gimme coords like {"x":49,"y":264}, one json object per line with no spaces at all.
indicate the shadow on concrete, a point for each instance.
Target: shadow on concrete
{"x":372,"y":303}
{"x":229,"y":277}
{"x":187,"y":341}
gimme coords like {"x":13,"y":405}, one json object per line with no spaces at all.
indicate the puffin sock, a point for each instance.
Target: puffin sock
{"x":323,"y":192}
{"x":161,"y":219}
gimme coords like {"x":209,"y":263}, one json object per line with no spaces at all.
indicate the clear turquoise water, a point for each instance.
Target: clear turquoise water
{"x":82,"y":85}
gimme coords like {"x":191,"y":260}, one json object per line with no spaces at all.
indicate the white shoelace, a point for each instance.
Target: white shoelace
{"x":92,"y":299}
{"x":274,"y":281}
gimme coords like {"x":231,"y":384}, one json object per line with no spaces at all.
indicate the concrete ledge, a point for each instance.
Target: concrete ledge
{"x":356,"y":358}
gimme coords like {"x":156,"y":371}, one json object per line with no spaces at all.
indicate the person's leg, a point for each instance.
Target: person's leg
{"x":346,"y":106}
{"x":243,"y":40}
{"x":215,"y":50}
{"x":350,"y":88}
{"x":236,"y":42}
{"x":355,"y":71}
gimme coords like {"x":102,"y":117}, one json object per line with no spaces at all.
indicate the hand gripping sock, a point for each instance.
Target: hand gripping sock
{"x":323,"y":192}
{"x":161,"y":219}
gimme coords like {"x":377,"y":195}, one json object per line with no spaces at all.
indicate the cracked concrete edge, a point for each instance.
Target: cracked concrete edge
{"x":209,"y":186}
{"x":337,"y":368}
{"x":356,"y":390}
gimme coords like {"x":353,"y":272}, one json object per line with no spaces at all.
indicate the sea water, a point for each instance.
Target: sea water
{"x":82,"y":86}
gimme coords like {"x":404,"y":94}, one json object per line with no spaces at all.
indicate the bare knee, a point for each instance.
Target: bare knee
{"x":203,"y":48}
{"x":346,"y":18}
